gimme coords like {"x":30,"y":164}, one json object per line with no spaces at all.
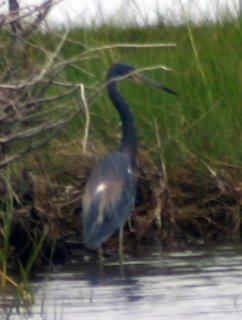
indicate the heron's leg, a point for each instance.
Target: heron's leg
{"x":120,"y":244}
{"x":131,"y":229}
{"x":100,"y":255}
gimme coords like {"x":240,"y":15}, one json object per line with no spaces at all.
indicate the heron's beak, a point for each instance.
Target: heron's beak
{"x":140,"y":78}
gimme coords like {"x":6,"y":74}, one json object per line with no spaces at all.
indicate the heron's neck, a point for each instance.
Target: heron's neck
{"x":129,"y":140}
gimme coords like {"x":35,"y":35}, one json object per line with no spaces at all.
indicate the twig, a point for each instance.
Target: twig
{"x":14,"y":13}
{"x":8,"y":18}
{"x":129,"y":45}
{"x":27,"y":134}
{"x":103,"y":86}
{"x":90,"y":51}
{"x":31,"y":147}
{"x":49,"y":63}
{"x":161,"y":193}
{"x":42,"y":101}
{"x":44,"y":10}
{"x":162,"y":162}
{"x":87,"y":115}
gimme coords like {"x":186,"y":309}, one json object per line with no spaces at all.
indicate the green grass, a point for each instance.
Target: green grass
{"x":6,"y":218}
{"x":204,"y":121}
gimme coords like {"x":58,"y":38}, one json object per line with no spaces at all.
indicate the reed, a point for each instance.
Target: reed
{"x":202,"y":125}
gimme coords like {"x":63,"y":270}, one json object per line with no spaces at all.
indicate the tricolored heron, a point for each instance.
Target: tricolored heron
{"x":109,"y":194}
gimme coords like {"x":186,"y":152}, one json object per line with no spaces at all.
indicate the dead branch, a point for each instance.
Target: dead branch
{"x":30,"y":133}
{"x":14,"y":13}
{"x":29,"y":111}
{"x":43,"y":11}
{"x":17,"y":15}
{"x":31,"y":147}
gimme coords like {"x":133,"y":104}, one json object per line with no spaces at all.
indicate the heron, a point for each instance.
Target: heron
{"x":109,"y":194}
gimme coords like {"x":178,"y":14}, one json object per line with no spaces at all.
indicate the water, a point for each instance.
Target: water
{"x":205,"y":284}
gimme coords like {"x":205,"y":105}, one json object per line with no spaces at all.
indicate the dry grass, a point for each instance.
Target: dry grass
{"x":190,"y":207}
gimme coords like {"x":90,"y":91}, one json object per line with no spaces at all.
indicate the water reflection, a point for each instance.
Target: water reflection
{"x":189,"y":285}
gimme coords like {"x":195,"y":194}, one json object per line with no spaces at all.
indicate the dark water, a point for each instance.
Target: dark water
{"x":185,"y":285}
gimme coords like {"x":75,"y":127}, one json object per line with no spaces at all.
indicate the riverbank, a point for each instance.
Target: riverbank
{"x":189,"y":170}
{"x":176,"y":208}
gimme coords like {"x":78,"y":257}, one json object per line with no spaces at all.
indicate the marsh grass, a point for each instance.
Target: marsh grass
{"x":204,"y":120}
{"x":199,"y":130}
{"x":17,"y":286}
{"x":6,"y":217}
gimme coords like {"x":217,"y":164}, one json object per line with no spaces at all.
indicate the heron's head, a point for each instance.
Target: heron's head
{"x":122,"y":69}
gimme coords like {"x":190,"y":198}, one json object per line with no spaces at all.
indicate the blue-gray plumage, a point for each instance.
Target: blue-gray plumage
{"x":109,"y":194}
{"x":108,"y":199}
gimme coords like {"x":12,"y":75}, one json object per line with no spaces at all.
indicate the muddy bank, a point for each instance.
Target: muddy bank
{"x":175,"y":207}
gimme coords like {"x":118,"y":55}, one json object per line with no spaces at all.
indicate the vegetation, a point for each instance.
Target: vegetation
{"x":190,"y":157}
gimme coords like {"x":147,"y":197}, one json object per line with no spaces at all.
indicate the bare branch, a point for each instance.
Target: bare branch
{"x":42,"y":101}
{"x":29,"y":116}
{"x":87,"y":124}
{"x":57,"y":127}
{"x":14,"y":13}
{"x":49,"y":63}
{"x":8,"y":18}
{"x":13,"y":6}
{"x":129,"y":45}
{"x":90,"y":51}
{"x":31,"y":147}
{"x":30,"y":133}
{"x":43,"y":11}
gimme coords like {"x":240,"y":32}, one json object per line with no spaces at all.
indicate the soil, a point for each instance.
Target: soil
{"x":175,"y":208}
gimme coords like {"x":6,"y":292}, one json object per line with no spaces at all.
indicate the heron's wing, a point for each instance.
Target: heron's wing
{"x":109,"y":197}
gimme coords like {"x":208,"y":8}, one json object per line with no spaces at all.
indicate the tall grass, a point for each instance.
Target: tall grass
{"x":21,"y":290}
{"x":6,"y":217}
{"x":204,"y":121}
